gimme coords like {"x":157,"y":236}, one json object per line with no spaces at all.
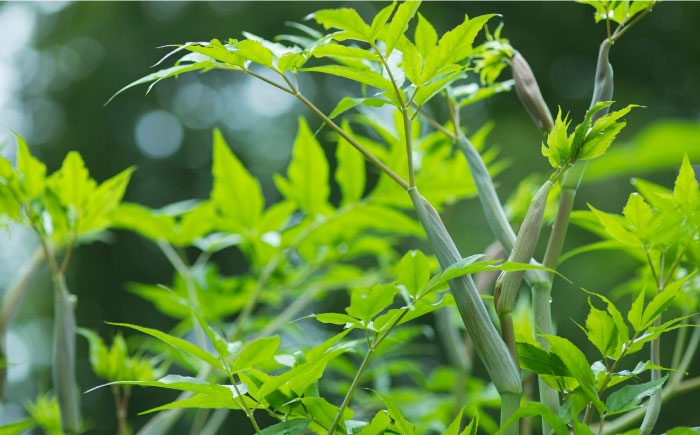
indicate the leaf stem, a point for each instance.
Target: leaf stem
{"x":351,"y":390}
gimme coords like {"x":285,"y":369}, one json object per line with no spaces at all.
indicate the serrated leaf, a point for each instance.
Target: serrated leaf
{"x":184,"y":383}
{"x":615,"y":227}
{"x":348,"y":103}
{"x":177,"y":343}
{"x":425,"y":36}
{"x":344,"y":19}
{"x":370,"y":78}
{"x":399,"y":24}
{"x":379,"y":21}
{"x":395,"y":413}
{"x":344,"y":52}
{"x":686,"y":191}
{"x":290,"y":427}
{"x":558,"y":146}
{"x":532,"y":409}
{"x":635,"y":313}
{"x":350,"y":173}
{"x":638,"y":215}
{"x":601,"y":331}
{"x":378,"y":425}
{"x":235,"y":192}
{"x":540,"y":361}
{"x":163,"y":74}
{"x":413,"y":271}
{"x":255,"y":52}
{"x":255,"y":352}
{"x":661,"y":301}
{"x":33,"y":171}
{"x":308,"y":173}
{"x":453,"y":47}
{"x":630,"y":397}
{"x":367,"y":303}
{"x":412,"y":63}
{"x":577,"y":364}
{"x":205,"y":401}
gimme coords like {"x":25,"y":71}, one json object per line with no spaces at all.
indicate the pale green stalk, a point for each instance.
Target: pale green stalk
{"x":64,"y":357}
{"x":13,"y":297}
{"x":487,"y":342}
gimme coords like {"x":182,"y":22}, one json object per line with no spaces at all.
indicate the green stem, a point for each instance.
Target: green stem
{"x":510,"y":403}
{"x":351,"y":390}
{"x":11,"y":302}
{"x":64,"y":357}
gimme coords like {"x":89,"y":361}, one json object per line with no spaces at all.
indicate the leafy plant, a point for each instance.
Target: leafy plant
{"x":312,"y":245}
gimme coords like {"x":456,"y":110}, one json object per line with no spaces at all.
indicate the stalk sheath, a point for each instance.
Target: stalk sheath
{"x":64,"y":357}
{"x":487,"y":341}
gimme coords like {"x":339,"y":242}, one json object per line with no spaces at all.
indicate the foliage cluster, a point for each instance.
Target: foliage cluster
{"x":308,"y":246}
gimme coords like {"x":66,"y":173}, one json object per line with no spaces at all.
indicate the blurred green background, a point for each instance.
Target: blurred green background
{"x":62,"y":61}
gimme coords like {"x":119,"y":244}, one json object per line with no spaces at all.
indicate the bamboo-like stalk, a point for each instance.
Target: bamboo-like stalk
{"x":487,"y":342}
{"x":13,"y":297}
{"x":64,"y":357}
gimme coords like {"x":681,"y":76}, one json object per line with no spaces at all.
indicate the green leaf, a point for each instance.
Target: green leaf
{"x":472,"y":427}
{"x":661,"y":301}
{"x":370,"y":78}
{"x":334,"y":318}
{"x":425,"y":36}
{"x":255,"y":52}
{"x":324,"y":412}
{"x":395,"y":413}
{"x":103,"y":201}
{"x":635,"y":313}
{"x":601,"y":331}
{"x":413,"y":271}
{"x":577,"y":364}
{"x":686,"y":191}
{"x":638,"y":215}
{"x":453,"y":428}
{"x":217,"y":51}
{"x":378,"y":425}
{"x":33,"y":171}
{"x":256,"y":352}
{"x":205,"y":401}
{"x":290,"y":427}
{"x":308,"y":173}
{"x":412,"y":63}
{"x":596,"y":146}
{"x":614,"y":226}
{"x":367,"y":303}
{"x":183,"y":383}
{"x":348,"y":103}
{"x":72,"y":183}
{"x":345,"y":19}
{"x":18,"y":427}
{"x":165,"y":73}
{"x":350,"y":173}
{"x":622,"y":329}
{"x":630,"y":397}
{"x":344,"y":52}
{"x":429,"y":90}
{"x":235,"y":192}
{"x":406,"y":314}
{"x":532,"y":409}
{"x":453,"y":47}
{"x":380,"y":20}
{"x":399,"y":24}
{"x":177,"y":343}
{"x":558,"y":147}
{"x":144,"y":221}
{"x":540,"y":361}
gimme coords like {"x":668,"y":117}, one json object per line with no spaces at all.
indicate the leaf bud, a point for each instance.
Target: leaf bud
{"x":529,"y":93}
